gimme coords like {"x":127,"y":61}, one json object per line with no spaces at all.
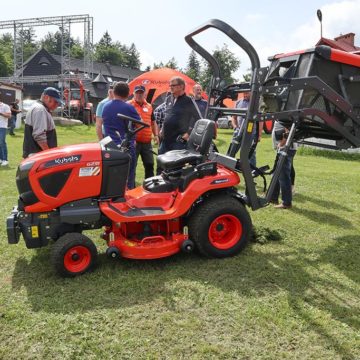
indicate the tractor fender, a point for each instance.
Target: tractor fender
{"x":232,"y":191}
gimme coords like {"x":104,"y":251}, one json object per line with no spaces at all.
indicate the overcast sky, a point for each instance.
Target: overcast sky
{"x":158,"y":27}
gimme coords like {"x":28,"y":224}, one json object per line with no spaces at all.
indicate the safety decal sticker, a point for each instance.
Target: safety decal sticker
{"x":89,"y":171}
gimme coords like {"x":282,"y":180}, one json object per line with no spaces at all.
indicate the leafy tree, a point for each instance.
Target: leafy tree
{"x":105,"y":41}
{"x":52,"y":42}
{"x":228,"y":63}
{"x":77,"y":50}
{"x":158,"y":65}
{"x":117,"y":54}
{"x":172,"y":64}
{"x":6,"y":55}
{"x":148,"y":68}
{"x":247,"y":76}
{"x":30,"y":46}
{"x":5,"y":65}
{"x":111,"y":54}
{"x":193,"y":69}
{"x":132,"y":56}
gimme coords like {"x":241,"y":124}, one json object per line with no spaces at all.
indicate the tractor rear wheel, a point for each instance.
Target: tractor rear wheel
{"x":220,"y":227}
{"x":73,"y":254}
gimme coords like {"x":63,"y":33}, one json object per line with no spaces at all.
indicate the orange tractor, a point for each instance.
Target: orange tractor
{"x":77,"y":105}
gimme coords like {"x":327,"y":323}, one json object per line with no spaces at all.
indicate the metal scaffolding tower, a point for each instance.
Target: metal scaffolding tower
{"x":64,"y":25}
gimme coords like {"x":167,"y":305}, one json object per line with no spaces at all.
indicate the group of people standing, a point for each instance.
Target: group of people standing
{"x":169,"y":125}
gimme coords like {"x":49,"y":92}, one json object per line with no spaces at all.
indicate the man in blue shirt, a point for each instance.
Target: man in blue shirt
{"x":99,"y":110}
{"x":115,"y":127}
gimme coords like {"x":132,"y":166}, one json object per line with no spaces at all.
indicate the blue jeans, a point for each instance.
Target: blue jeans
{"x":284,"y":182}
{"x":12,"y":123}
{"x":3,"y":147}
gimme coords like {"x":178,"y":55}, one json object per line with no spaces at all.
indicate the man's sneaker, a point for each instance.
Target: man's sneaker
{"x":4,"y":163}
{"x":283,"y":206}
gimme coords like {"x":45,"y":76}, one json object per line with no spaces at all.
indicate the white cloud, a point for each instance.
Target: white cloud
{"x":146,"y":59}
{"x":338,"y":18}
{"x":254,"y":17}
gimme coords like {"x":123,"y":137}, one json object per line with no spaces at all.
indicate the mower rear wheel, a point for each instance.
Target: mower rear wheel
{"x":220,"y":227}
{"x":73,"y":254}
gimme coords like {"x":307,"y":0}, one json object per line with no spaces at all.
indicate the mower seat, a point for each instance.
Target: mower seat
{"x":197,"y":147}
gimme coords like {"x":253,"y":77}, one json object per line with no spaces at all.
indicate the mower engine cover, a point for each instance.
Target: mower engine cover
{"x":52,"y":178}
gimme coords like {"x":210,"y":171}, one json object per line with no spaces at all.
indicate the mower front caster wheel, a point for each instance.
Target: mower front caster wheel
{"x":73,"y":254}
{"x":113,"y":252}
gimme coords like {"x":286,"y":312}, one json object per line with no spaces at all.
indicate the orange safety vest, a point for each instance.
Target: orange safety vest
{"x":145,"y":111}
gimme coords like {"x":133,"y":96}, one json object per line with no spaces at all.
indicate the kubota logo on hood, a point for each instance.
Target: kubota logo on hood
{"x":62,"y":161}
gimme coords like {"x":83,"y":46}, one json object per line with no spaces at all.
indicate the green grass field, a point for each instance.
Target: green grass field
{"x":294,"y":293}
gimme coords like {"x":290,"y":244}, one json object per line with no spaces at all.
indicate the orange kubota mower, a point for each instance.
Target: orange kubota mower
{"x":194,"y":203}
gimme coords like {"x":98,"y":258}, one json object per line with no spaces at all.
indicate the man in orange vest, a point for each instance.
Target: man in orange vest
{"x":143,"y":137}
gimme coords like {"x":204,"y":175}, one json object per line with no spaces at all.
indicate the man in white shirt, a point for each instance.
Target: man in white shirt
{"x":5,"y":115}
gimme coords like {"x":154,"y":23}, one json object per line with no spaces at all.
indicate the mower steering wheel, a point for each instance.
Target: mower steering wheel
{"x":136,"y":121}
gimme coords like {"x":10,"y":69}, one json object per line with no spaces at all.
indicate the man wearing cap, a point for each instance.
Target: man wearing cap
{"x":40,"y":133}
{"x":143,"y":137}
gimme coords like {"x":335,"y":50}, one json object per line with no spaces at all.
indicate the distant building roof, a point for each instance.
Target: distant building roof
{"x":43,"y":63}
{"x":107,"y":70}
{"x":100,"y":80}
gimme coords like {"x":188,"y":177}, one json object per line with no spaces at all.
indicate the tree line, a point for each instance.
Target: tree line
{"x":115,"y":53}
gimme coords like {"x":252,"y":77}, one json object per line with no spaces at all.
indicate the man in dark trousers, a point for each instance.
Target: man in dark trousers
{"x":180,"y":117}
{"x":40,"y":133}
{"x":115,"y":127}
{"x":12,"y":121}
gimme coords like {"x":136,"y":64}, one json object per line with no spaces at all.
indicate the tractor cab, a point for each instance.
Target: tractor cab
{"x":322,"y":85}
{"x":314,"y":93}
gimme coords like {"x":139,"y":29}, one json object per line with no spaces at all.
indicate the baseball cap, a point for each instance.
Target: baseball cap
{"x":54,"y":93}
{"x":139,"y":88}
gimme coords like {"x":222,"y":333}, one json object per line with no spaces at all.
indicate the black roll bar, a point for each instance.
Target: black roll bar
{"x":232,"y":34}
